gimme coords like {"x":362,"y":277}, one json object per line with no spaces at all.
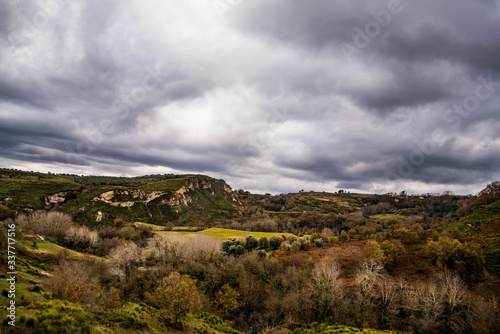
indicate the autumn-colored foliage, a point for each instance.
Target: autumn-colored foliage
{"x":227,"y":301}
{"x":178,"y":295}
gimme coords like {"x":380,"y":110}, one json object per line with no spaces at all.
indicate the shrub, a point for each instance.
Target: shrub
{"x":74,"y":282}
{"x":6,"y":213}
{"x":275,"y":241}
{"x":178,"y":295}
{"x":227,"y":301}
{"x":468,"y":257}
{"x":391,"y":250}
{"x":304,"y":243}
{"x":57,"y":317}
{"x":125,"y":258}
{"x":374,"y":252}
{"x":318,"y":242}
{"x":236,"y":250}
{"x":46,"y":223}
{"x":30,"y":323}
{"x":251,"y":242}
{"x":37,"y":288}
{"x":316,"y":236}
{"x":263,"y":243}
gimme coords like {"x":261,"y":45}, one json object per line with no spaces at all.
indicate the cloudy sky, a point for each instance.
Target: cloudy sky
{"x":272,"y":96}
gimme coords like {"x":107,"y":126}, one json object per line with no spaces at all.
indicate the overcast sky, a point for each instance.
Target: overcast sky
{"x":272,"y":96}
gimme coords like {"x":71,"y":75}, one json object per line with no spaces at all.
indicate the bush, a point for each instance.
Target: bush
{"x":6,"y":213}
{"x":37,"y":288}
{"x":46,"y":223}
{"x":236,"y":250}
{"x":57,"y":317}
{"x":318,"y":242}
{"x":251,"y":242}
{"x":263,"y":243}
{"x":30,"y":323}
{"x":178,"y":295}
{"x":468,"y":257}
{"x":304,"y":243}
{"x":275,"y":241}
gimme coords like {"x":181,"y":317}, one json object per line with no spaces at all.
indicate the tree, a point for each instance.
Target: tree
{"x":367,"y":277}
{"x":178,"y":295}
{"x":236,"y":250}
{"x":263,"y":243}
{"x":454,"y":289}
{"x":227,"y":301}
{"x":125,"y":258}
{"x":251,"y":242}
{"x":275,"y":241}
{"x":74,"y":282}
{"x":374,"y":252}
{"x":351,"y":233}
{"x":327,"y":287}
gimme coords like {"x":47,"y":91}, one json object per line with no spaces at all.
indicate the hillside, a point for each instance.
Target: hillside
{"x":185,"y":253}
{"x":155,"y":199}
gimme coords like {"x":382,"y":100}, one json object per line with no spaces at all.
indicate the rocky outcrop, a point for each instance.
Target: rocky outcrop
{"x":56,"y":199}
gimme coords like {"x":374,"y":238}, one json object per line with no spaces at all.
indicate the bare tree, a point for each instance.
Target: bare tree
{"x":43,"y":222}
{"x":425,"y":304}
{"x":82,"y":235}
{"x":176,"y":247}
{"x":367,"y":277}
{"x":73,"y":281}
{"x":327,"y":287}
{"x":124,"y":258}
{"x":387,"y":295}
{"x":454,"y":289}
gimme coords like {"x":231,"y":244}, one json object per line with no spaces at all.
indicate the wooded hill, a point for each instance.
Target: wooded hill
{"x":171,"y":253}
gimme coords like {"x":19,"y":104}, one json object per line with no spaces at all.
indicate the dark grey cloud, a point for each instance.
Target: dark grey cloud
{"x":262,"y":94}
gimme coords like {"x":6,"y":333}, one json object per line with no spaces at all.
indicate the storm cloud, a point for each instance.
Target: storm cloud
{"x":369,"y":96}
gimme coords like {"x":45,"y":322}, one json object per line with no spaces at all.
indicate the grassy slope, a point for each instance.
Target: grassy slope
{"x":387,"y":216}
{"x":483,"y":226}
{"x":226,"y":234}
{"x":21,"y":190}
{"x":27,"y":189}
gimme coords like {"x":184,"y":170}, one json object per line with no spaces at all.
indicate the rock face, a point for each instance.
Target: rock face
{"x":51,"y":201}
{"x":190,"y":198}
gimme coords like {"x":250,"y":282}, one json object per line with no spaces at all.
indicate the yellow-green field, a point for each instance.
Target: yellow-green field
{"x":387,"y":216}
{"x":226,"y":234}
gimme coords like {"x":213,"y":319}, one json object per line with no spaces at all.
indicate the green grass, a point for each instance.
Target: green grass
{"x":337,"y":329}
{"x":47,"y":247}
{"x":172,"y":185}
{"x":65,"y":317}
{"x":226,"y":234}
{"x":29,"y":192}
{"x":387,"y":216}
{"x":153,"y":227}
{"x":473,"y":224}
